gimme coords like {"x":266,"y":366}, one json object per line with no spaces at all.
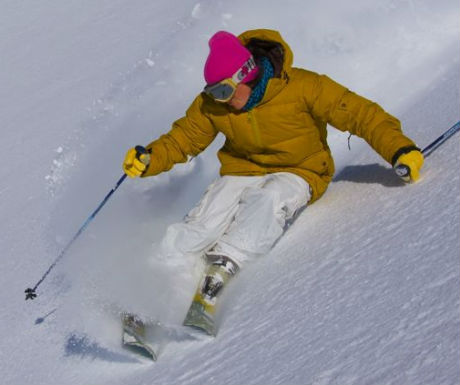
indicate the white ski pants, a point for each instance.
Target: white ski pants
{"x":240,"y":217}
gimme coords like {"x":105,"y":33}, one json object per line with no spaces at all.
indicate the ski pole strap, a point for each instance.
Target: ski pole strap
{"x":140,"y":150}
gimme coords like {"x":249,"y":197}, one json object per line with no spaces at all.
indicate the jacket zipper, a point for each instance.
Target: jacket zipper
{"x":255,"y":127}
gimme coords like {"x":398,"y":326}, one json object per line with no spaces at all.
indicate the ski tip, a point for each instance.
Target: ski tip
{"x":141,"y":349}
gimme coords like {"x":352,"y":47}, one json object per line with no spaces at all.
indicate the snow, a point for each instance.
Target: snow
{"x":362,"y":289}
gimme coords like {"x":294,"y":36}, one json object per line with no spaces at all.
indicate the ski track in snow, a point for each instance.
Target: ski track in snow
{"x":363,"y":287}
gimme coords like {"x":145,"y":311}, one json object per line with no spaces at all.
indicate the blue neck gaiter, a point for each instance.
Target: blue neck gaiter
{"x":259,"y":90}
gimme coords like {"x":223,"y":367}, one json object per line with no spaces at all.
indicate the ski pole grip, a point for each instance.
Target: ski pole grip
{"x":402,"y":171}
{"x":141,"y":150}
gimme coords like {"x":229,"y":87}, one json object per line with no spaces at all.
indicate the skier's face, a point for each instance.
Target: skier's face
{"x":241,"y":96}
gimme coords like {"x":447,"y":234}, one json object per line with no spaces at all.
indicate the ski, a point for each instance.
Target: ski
{"x":201,"y":320}
{"x":148,"y":339}
{"x":139,"y":337}
{"x":203,"y":308}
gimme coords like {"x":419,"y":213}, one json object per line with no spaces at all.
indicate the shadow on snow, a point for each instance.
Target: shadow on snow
{"x":81,"y":346}
{"x":369,"y":173}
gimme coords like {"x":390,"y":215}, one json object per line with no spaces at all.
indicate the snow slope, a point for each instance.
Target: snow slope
{"x":363,"y":288}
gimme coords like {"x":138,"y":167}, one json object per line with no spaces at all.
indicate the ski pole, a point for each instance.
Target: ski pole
{"x":30,"y":292}
{"x":404,"y":171}
{"x":436,"y":143}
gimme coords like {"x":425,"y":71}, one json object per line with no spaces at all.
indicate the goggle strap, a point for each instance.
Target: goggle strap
{"x":245,"y":69}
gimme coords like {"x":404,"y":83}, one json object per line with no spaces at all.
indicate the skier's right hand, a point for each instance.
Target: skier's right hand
{"x":135,"y":163}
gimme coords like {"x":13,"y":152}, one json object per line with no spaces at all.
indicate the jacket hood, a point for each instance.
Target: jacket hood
{"x":266,"y":42}
{"x":267,"y":35}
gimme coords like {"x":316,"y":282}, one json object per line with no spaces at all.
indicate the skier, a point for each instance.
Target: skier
{"x":275,"y":159}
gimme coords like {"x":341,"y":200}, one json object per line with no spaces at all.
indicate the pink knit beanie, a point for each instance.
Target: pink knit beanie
{"x":226,"y":56}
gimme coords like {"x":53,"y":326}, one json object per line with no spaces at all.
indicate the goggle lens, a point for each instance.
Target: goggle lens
{"x":225,"y":89}
{"x":221,"y":92}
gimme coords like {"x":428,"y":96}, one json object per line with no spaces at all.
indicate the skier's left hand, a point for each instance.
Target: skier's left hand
{"x":408,"y":166}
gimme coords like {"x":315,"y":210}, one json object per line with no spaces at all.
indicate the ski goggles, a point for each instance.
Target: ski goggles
{"x":224,"y":90}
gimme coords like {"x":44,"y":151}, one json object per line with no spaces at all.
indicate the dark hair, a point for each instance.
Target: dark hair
{"x":272,"y":50}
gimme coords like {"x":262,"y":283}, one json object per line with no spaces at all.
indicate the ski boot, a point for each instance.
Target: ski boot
{"x":201,"y":312}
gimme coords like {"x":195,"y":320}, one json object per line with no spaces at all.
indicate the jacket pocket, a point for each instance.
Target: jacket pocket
{"x":320,"y":163}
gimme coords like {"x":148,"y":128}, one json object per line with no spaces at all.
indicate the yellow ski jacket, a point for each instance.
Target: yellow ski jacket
{"x":286,"y":131}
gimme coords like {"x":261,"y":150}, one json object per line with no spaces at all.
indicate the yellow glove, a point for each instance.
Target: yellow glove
{"x":408,"y":166}
{"x":136,"y":161}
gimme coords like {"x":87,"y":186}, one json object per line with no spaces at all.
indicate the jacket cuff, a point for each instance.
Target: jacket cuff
{"x":401,"y":151}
